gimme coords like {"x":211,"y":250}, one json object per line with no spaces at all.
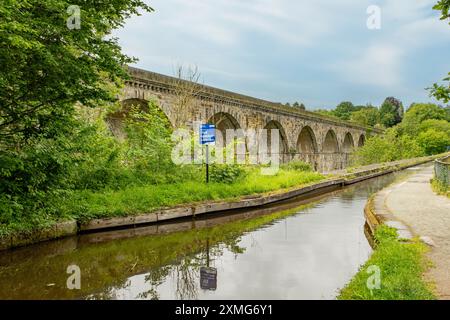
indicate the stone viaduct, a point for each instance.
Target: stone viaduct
{"x":322,"y":141}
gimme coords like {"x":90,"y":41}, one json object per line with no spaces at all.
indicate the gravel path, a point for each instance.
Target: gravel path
{"x":427,"y":214}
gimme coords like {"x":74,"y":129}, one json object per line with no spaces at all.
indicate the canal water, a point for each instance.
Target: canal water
{"x":293,"y":250}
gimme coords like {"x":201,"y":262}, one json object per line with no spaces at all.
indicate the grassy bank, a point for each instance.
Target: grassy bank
{"x":83,"y":205}
{"x":87,"y":204}
{"x":402,"y":266}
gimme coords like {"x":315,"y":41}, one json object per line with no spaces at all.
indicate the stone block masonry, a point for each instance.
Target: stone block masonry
{"x":324,"y":142}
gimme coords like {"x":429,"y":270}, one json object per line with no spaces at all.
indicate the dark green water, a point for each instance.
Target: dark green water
{"x":288,"y":251}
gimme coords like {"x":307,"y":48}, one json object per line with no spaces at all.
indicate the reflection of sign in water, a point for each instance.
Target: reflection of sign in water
{"x":208,"y":278}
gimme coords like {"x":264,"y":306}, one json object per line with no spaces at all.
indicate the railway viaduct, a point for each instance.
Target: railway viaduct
{"x":324,"y":142}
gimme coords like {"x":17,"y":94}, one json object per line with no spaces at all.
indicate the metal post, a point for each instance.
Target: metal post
{"x":207,"y":163}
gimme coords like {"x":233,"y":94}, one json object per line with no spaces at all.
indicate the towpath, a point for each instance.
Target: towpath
{"x":428,"y":215}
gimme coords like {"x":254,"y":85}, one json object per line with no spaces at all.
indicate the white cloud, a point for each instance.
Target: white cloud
{"x":378,"y":65}
{"x":224,"y":21}
{"x":423,"y":32}
{"x":405,"y":10}
{"x":285,"y":49}
{"x":406,"y":27}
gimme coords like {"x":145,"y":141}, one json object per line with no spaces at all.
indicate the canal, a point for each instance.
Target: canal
{"x":299,"y":249}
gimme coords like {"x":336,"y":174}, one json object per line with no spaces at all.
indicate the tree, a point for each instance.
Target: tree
{"x":148,"y":144}
{"x":444,"y":7}
{"x":433,"y":141}
{"x":389,"y":146}
{"x":366,"y":116}
{"x":48,"y":67}
{"x":442,"y":91}
{"x":438,"y":125}
{"x":186,"y":90}
{"x":300,"y":106}
{"x":326,"y":112}
{"x":391,"y":112}
{"x":419,"y":112}
{"x":425,"y":111}
{"x":344,"y":110}
{"x":48,"y":64}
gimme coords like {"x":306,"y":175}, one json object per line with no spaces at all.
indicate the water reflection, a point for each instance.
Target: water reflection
{"x":290,"y":250}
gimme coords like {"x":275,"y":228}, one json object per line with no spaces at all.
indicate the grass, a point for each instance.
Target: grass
{"x":439,"y":187}
{"x":402,"y":266}
{"x":85,"y":205}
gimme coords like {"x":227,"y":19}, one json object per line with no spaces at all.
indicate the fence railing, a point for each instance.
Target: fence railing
{"x":442,"y":170}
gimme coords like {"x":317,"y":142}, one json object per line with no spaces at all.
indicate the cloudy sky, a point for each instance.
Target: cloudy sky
{"x":317,"y":52}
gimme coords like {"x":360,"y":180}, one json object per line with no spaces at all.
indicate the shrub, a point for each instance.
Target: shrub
{"x":438,"y":125}
{"x":439,"y":187}
{"x":297,"y":165}
{"x":223,"y":173}
{"x":433,"y":142}
{"x":390,"y":146}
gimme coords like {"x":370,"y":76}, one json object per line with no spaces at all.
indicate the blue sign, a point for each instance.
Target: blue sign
{"x":207,"y":133}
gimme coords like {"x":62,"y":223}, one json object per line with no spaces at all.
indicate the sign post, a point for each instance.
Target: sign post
{"x":207,"y":137}
{"x":207,"y":163}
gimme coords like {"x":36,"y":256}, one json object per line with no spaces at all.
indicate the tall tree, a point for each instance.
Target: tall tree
{"x":420,"y":112}
{"x":55,"y":54}
{"x":344,"y":110}
{"x":366,"y":116}
{"x":425,"y":111}
{"x":391,"y":112}
{"x":186,"y":88}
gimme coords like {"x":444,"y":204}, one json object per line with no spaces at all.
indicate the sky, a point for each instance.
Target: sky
{"x":317,"y":52}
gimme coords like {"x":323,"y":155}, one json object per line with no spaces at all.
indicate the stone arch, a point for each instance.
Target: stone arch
{"x":348,"y":144}
{"x":307,"y":146}
{"x":224,"y":121}
{"x":361,"y":140}
{"x":330,"y":143}
{"x":306,"y":142}
{"x":284,"y":149}
{"x":115,"y":120}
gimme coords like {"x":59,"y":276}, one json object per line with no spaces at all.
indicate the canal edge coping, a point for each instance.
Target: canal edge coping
{"x":183,"y":211}
{"x":376,"y":213}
